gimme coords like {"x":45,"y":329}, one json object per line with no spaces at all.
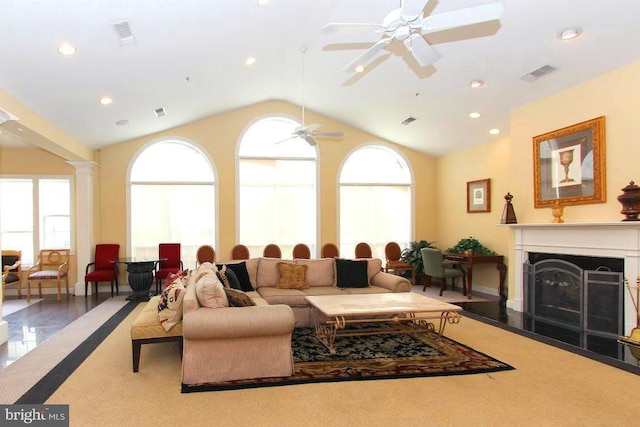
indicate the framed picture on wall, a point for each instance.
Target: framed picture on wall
{"x":479,"y":196}
{"x":569,"y":165}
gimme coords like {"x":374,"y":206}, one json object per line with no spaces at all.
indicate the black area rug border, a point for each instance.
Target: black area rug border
{"x":43,"y":389}
{"x":555,"y":343}
{"x":186,"y":388}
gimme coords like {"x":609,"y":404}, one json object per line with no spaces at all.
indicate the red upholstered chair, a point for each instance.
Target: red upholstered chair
{"x":172,"y":263}
{"x":240,"y":252}
{"x":301,"y":251}
{"x":272,"y":251}
{"x":393,"y":254}
{"x":330,"y":250}
{"x":204,"y":254}
{"x":104,"y":270}
{"x":363,"y":250}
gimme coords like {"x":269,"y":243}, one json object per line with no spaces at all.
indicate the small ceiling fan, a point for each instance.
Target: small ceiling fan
{"x":310,"y":132}
{"x":408,"y":24}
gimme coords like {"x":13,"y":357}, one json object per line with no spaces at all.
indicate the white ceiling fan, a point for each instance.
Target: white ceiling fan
{"x":310,"y":132}
{"x":408,"y":24}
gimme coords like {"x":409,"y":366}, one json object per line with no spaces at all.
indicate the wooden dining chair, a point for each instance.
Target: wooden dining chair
{"x":272,"y":251}
{"x":240,"y":252}
{"x":205,"y":253}
{"x":12,"y":271}
{"x":363,"y":250}
{"x":393,"y":255}
{"x":330,"y":250}
{"x":301,"y":251}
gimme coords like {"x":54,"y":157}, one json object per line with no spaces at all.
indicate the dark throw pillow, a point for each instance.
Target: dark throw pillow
{"x":241,"y":274}
{"x":351,"y":273}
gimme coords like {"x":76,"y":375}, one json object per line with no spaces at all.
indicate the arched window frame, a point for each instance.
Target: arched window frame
{"x":239,"y":157}
{"x":339,"y":184}
{"x":215,"y":183}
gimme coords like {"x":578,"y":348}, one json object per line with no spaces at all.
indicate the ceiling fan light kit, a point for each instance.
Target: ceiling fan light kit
{"x":408,"y":25}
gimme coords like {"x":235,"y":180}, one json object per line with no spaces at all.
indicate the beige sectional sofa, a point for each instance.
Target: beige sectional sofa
{"x":225,"y":344}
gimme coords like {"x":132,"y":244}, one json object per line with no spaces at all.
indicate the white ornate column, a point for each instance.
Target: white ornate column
{"x":84,"y":220}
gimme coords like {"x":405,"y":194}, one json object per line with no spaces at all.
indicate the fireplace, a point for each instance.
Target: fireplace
{"x":619,"y":241}
{"x":577,"y":297}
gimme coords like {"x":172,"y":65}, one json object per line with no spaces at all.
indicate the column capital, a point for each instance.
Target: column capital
{"x":84,"y":167}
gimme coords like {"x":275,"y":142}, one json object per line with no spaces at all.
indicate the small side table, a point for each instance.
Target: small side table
{"x":140,"y":276}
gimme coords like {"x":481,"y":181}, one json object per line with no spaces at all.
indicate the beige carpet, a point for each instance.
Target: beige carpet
{"x":550,"y":387}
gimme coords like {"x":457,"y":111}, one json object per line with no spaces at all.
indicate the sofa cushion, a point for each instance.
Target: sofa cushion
{"x":323,"y":290}
{"x":320,"y":272}
{"x":267,"y":272}
{"x":374,"y":266}
{"x":210,"y":292}
{"x":290,"y":297}
{"x":238,"y":298}
{"x":170,"y":303}
{"x":351,"y":273}
{"x":292,"y":276}
{"x":242,"y":274}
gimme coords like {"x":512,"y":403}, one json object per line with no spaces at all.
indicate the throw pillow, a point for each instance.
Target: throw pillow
{"x":210,"y":292}
{"x":172,"y":277}
{"x":170,"y":304}
{"x":238,"y":298}
{"x":241,"y":273}
{"x":351,"y":273}
{"x":292,"y":276}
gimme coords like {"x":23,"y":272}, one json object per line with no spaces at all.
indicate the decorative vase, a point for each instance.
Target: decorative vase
{"x":556,"y":211}
{"x":630,"y":199}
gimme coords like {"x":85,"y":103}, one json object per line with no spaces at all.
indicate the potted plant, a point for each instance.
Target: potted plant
{"x":470,"y":245}
{"x":412,"y":255}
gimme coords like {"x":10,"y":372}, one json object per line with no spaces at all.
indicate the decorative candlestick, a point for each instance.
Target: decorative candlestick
{"x":508,"y":214}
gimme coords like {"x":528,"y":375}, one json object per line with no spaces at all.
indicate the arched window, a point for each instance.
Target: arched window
{"x":375,"y":200}
{"x":172,"y":197}
{"x":277,"y":191}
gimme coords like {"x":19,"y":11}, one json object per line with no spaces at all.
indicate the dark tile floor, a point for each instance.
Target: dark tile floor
{"x":32,"y":325}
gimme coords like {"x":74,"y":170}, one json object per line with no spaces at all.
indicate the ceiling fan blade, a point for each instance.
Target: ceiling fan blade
{"x":411,"y":9}
{"x":344,"y":27}
{"x":368,"y":55}
{"x":310,"y":140}
{"x":329,"y":134}
{"x":289,"y":138}
{"x":421,"y":50}
{"x":462,"y":17}
{"x":312,"y":127}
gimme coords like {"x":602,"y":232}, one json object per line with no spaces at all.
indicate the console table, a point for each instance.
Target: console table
{"x":468,"y":262}
{"x":140,"y":276}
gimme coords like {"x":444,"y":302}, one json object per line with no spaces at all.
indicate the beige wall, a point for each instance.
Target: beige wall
{"x":509,"y":162}
{"x":218,"y":135}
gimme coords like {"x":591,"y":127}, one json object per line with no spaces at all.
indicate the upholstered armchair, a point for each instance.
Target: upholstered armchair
{"x":12,"y":271}
{"x":434,"y":268}
{"x":52,"y":267}
{"x":105,"y":269}
{"x":171,"y":264}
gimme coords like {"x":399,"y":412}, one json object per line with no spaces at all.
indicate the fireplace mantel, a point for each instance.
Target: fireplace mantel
{"x":598,"y":239}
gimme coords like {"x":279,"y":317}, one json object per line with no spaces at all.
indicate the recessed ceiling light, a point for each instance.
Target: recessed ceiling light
{"x":474,"y":115}
{"x":66,"y":49}
{"x":570,"y":33}
{"x":263,"y":2}
{"x":476,"y":83}
{"x":105,"y":100}
{"x":494,"y":131}
{"x":250,"y":60}
{"x":123,"y":122}
{"x":359,"y":69}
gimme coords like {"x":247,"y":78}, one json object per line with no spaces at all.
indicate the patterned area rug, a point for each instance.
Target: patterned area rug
{"x":371,"y":358}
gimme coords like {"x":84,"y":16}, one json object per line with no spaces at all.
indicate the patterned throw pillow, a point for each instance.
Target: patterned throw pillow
{"x":170,"y":304}
{"x":292,"y":276}
{"x":173,"y":277}
{"x":238,"y":298}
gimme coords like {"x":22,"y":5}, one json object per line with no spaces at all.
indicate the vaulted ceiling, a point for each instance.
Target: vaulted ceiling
{"x":188,"y":56}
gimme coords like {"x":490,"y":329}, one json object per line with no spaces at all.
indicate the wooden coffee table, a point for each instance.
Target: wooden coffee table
{"x":403,"y":312}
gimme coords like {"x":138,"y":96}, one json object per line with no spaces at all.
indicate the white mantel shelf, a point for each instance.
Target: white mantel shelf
{"x":597,"y":239}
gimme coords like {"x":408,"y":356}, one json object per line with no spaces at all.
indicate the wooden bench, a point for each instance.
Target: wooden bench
{"x":147,"y":330}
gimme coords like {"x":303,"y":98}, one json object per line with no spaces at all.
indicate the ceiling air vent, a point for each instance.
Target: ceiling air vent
{"x":160,"y":112}
{"x":408,"y":121}
{"x":536,"y":74}
{"x":123,"y":32}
